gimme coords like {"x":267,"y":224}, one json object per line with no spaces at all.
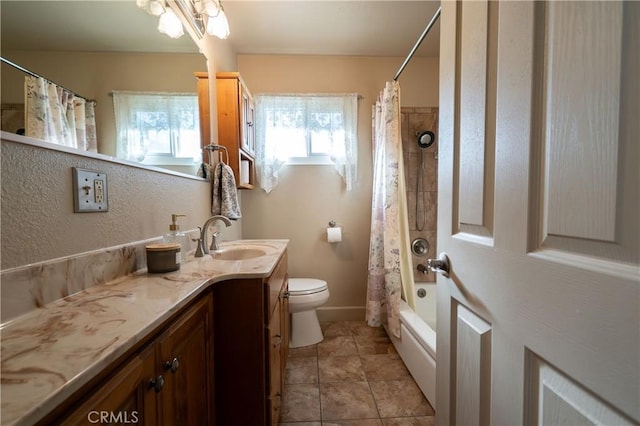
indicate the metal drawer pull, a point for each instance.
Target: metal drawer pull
{"x":172,"y":365}
{"x":157,"y":383}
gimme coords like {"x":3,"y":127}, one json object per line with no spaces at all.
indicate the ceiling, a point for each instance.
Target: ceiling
{"x":351,"y":27}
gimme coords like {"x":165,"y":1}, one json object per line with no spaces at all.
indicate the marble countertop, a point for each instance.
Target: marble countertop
{"x":51,"y":352}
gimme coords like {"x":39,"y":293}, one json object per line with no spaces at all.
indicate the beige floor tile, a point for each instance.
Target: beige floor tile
{"x":301,"y":370}
{"x":400,"y":398}
{"x":362,"y":382}
{"x":363,"y":422}
{"x":300,"y":403}
{"x":301,"y":424}
{"x":360,"y":328}
{"x":337,"y":345}
{"x":410,"y":421}
{"x":336,"y":328}
{"x":347,"y":401}
{"x":384,"y":367}
{"x":304,"y":351}
{"x":341,"y":369}
{"x":371,"y":345}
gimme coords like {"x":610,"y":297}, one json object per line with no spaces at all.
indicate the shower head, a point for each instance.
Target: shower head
{"x":425,"y":138}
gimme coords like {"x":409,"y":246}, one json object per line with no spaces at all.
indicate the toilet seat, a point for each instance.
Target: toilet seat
{"x":303,"y":286}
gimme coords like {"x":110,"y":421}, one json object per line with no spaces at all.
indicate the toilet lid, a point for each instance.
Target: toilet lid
{"x":298,"y":286}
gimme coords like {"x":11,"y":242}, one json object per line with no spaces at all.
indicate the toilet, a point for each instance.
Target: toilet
{"x":305,"y":295}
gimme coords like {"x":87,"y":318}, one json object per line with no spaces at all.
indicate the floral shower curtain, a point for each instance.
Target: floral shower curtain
{"x":56,"y":115}
{"x":389,"y":260}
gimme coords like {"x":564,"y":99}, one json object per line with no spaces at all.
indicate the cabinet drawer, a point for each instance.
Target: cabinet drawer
{"x":275,"y":284}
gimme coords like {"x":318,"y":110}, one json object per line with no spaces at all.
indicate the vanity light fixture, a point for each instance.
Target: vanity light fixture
{"x":217,"y":23}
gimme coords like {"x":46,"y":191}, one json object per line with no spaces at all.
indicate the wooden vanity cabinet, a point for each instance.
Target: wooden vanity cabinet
{"x":184,"y":355}
{"x":126,"y":394}
{"x":236,"y":121}
{"x":251,"y":339}
{"x":169,"y":381}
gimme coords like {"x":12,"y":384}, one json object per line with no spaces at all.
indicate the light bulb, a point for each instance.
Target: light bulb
{"x":211,"y":8}
{"x":218,"y":25}
{"x":156,"y":8}
{"x":170,"y":24}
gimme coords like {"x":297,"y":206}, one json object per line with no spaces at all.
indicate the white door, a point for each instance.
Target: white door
{"x":539,"y":320}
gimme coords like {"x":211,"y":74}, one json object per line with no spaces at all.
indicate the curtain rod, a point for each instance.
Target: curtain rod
{"x":415,"y":47}
{"x":33,"y":74}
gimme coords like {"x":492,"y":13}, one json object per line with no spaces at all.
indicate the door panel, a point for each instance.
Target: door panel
{"x":572,"y":64}
{"x":579,"y":211}
{"x":473,"y":368}
{"x":476,"y":120}
{"x":556,"y":399}
{"x":538,"y":320}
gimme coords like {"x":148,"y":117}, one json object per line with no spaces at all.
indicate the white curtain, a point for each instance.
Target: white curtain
{"x":56,"y":115}
{"x":287,"y":124}
{"x":390,"y":270}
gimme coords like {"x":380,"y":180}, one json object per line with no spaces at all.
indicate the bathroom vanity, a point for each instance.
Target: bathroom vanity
{"x":251,"y":341}
{"x":171,"y":348}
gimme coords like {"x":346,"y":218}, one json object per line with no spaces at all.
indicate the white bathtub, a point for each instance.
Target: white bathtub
{"x":417,"y":343}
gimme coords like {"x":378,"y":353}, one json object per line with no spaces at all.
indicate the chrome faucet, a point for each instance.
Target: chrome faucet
{"x":214,"y":240}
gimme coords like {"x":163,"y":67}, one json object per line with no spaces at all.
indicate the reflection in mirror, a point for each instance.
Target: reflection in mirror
{"x":119,"y":49}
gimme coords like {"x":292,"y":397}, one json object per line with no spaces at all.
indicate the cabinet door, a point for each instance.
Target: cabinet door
{"x":275,"y":372}
{"x":247,"y":121}
{"x":285,"y":326}
{"x":124,"y":398}
{"x":185,"y":356}
{"x":204,"y":111}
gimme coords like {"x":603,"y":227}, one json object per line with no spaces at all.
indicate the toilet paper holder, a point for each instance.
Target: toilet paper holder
{"x":332,"y":223}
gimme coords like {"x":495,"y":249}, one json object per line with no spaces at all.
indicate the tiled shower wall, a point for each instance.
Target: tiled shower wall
{"x":414,"y":121}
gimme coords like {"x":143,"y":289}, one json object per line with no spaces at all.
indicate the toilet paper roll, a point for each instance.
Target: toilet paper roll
{"x":244,"y":171}
{"x":334,"y":235}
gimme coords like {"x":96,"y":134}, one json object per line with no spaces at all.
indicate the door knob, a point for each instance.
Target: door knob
{"x":441,"y":264}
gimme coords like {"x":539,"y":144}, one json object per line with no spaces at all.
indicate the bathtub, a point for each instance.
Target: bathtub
{"x":417,"y":343}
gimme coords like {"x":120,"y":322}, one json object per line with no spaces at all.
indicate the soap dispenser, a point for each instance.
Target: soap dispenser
{"x":176,"y":236}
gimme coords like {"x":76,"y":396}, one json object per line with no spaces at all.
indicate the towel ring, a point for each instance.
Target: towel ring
{"x":214,"y":147}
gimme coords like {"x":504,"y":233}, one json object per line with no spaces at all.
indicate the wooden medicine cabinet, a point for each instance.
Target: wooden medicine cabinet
{"x":236,"y":118}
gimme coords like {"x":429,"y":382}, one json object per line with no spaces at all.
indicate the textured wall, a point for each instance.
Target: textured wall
{"x":309,"y":196}
{"x":38,"y":222}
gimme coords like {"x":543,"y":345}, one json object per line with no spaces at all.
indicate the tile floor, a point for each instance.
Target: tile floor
{"x":354,"y":377}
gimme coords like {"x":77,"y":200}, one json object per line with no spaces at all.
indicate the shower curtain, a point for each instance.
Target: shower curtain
{"x":390,"y":270}
{"x":56,"y":115}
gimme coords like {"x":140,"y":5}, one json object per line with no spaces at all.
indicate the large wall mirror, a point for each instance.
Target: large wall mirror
{"x":94,"y":48}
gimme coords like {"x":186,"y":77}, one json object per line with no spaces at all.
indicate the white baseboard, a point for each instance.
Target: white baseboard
{"x":341,"y":313}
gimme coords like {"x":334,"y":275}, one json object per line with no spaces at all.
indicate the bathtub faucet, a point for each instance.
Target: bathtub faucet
{"x":422,"y":268}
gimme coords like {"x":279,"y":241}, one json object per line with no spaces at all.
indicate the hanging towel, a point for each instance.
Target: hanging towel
{"x":224,"y":194}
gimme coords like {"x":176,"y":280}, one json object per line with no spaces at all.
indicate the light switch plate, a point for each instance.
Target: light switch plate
{"x":89,"y":191}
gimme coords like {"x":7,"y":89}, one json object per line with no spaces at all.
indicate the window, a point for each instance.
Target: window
{"x":306,"y":129}
{"x":157,"y":128}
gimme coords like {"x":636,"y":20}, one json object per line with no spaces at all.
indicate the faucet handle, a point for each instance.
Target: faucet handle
{"x":199,"y":242}
{"x":199,"y":249}
{"x":214,"y":240}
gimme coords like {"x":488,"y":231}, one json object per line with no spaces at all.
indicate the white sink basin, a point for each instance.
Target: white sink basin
{"x":238,"y":253}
